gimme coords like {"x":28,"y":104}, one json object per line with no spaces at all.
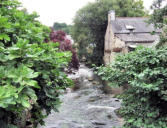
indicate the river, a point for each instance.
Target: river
{"x":86,"y":107}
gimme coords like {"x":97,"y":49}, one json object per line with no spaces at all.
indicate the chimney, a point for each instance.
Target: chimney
{"x":111,"y":15}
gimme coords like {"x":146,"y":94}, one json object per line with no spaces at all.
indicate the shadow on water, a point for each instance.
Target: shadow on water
{"x":86,"y":107}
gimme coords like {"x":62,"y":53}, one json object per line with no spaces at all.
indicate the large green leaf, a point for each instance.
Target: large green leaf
{"x":4,"y":37}
{"x":8,"y":95}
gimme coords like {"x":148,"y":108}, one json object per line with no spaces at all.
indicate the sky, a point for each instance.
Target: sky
{"x":51,"y":11}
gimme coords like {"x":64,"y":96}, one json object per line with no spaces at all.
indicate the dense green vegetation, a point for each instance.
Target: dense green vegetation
{"x":91,"y":21}
{"x":145,"y":100}
{"x":30,"y":71}
{"x":144,"y":74}
{"x":62,"y":26}
{"x":31,"y":66}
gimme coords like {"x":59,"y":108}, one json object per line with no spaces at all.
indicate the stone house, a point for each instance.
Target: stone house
{"x":124,"y":34}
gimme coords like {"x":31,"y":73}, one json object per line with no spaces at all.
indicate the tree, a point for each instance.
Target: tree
{"x":159,"y":19}
{"x":90,"y":25}
{"x":157,"y":4}
{"x":65,"y":45}
{"x":62,"y":26}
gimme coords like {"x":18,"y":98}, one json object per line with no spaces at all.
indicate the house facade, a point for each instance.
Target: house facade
{"x":124,"y":34}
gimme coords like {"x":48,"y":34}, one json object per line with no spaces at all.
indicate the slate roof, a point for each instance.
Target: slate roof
{"x":140,"y":24}
{"x":140,"y":38}
{"x":141,"y":32}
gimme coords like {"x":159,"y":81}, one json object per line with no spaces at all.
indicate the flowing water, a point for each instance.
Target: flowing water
{"x":87,"y":107}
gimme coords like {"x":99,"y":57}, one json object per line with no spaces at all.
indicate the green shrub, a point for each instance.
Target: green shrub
{"x":145,"y":72}
{"x":31,"y":72}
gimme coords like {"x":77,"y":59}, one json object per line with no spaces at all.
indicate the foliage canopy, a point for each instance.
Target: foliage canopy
{"x":62,"y":26}
{"x":91,"y":21}
{"x":159,"y":19}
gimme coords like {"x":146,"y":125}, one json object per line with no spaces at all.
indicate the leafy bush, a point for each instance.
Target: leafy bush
{"x":65,"y":45}
{"x":145,"y":100}
{"x":30,"y":71}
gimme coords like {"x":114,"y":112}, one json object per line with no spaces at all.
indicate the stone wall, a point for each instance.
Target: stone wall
{"x":113,"y":46}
